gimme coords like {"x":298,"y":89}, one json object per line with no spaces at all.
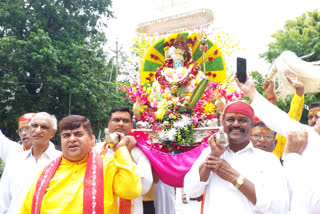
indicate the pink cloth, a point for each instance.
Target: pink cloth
{"x":171,"y":168}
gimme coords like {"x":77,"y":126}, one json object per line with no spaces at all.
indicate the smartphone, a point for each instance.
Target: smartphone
{"x":242,"y":69}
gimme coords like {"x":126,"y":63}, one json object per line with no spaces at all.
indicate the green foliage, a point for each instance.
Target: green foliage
{"x":51,"y":59}
{"x":301,"y":36}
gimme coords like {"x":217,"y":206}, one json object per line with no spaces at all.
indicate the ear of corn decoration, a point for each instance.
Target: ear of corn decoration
{"x":196,"y":95}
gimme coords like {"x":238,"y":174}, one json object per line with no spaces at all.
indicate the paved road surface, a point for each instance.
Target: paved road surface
{"x":192,"y":207}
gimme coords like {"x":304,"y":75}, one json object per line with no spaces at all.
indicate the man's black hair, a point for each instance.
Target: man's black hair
{"x":314,"y":105}
{"x":121,"y":109}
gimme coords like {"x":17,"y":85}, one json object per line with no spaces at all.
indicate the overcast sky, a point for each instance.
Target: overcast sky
{"x":250,"y":21}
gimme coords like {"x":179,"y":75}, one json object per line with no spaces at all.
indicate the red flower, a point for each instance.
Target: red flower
{"x":203,"y":47}
{"x":210,"y":59}
{"x":155,"y":57}
{"x":148,"y":78}
{"x":216,"y":52}
{"x":172,"y":40}
{"x":152,"y":56}
{"x":208,"y":74}
{"x":166,"y":44}
{"x":214,"y":75}
{"x":150,"y":74}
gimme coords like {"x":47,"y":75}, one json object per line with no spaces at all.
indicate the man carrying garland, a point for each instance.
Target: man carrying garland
{"x":82,"y":181}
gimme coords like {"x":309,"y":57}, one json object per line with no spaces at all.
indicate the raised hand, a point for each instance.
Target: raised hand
{"x":268,"y":86}
{"x":124,"y":141}
{"x":295,"y":82}
{"x":132,"y":143}
{"x":216,"y":150}
{"x":248,"y":87}
{"x":296,"y":141}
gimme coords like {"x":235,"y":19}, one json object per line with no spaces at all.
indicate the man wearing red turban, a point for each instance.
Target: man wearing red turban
{"x":9,"y":148}
{"x":238,"y":178}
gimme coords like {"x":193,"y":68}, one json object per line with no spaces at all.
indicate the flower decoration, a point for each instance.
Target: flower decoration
{"x":166,"y":113}
{"x":167,"y":88}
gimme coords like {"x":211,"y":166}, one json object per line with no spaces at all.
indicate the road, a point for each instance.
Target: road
{"x":192,"y":207}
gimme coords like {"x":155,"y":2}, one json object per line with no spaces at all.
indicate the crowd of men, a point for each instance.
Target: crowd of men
{"x":268,"y":167}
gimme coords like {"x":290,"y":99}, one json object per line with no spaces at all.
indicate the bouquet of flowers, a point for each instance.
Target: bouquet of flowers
{"x":168,"y":115}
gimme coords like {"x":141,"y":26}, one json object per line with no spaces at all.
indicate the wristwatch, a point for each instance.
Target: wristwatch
{"x":239,"y":181}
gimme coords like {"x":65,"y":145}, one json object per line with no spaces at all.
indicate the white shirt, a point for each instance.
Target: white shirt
{"x":263,"y":169}
{"x":8,"y":148}
{"x":144,"y":170}
{"x":19,"y":174}
{"x":164,"y":202}
{"x":302,"y":171}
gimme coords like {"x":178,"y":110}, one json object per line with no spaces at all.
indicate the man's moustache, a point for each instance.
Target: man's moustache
{"x":234,"y":128}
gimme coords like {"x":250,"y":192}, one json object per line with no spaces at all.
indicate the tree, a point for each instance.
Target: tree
{"x":301,"y":36}
{"x":51,"y":59}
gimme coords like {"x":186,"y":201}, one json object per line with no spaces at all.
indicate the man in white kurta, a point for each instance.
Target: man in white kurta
{"x":239,"y":178}
{"x":164,"y":202}
{"x":9,"y":148}
{"x":20,"y":172}
{"x":302,"y":170}
{"x":120,"y":120}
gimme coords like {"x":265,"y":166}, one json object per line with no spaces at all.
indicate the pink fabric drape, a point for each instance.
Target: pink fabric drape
{"x":171,"y":168}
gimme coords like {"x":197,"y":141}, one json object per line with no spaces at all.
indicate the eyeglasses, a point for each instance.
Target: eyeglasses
{"x":265,"y":136}
{"x":22,"y":129}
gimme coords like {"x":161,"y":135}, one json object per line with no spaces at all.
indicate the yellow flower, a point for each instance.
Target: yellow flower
{"x":160,"y":113}
{"x":143,"y":108}
{"x":208,"y":108}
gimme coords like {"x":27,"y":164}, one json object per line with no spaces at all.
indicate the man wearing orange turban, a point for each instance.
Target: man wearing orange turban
{"x":9,"y":148}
